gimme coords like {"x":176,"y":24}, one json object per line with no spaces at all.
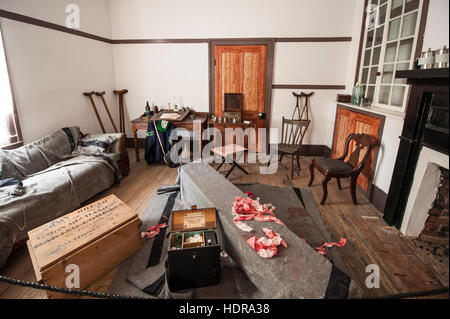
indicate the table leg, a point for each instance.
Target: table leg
{"x":220,"y":165}
{"x":135,"y":141}
{"x":240,"y":167}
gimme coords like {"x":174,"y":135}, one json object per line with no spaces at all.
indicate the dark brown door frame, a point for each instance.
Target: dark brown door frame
{"x":270,"y":43}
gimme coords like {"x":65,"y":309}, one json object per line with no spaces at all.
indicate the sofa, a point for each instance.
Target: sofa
{"x":53,"y":176}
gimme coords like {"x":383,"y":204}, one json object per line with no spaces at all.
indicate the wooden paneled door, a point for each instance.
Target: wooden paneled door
{"x":349,"y":121}
{"x":241,"y":69}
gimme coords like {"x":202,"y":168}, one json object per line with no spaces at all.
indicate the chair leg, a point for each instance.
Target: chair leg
{"x":325,"y":181}
{"x":311,"y":169}
{"x":353,"y":180}
{"x":292,"y":166}
{"x":297,"y":156}
{"x":339,"y":183}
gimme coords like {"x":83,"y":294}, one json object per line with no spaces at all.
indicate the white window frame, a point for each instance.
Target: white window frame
{"x":10,"y":139}
{"x":383,"y":45}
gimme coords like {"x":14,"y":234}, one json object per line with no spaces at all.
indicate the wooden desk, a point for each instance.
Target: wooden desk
{"x":187,"y":123}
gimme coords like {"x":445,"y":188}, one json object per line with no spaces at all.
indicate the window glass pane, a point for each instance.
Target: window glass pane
{"x":405,"y":50}
{"x":367,"y":57}
{"x":411,"y":5}
{"x":409,"y":24}
{"x":388,"y":72}
{"x":369,"y":94}
{"x":385,"y":90}
{"x":383,"y":1}
{"x":394,"y":29}
{"x":379,"y":35}
{"x":397,"y":8}
{"x":365,"y":73}
{"x":373,"y":75}
{"x":376,"y":55}
{"x":375,"y":2}
{"x":391,"y":50}
{"x":382,"y":14}
{"x":397,"y":95}
{"x":369,"y":39}
{"x":401,"y":67}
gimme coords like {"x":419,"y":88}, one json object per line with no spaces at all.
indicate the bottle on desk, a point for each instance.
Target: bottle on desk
{"x":147,"y":109}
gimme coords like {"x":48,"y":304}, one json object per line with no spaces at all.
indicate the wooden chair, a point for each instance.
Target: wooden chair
{"x":340,"y":168}
{"x":292,"y":134}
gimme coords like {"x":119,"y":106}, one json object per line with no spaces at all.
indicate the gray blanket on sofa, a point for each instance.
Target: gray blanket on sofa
{"x":53,"y":180}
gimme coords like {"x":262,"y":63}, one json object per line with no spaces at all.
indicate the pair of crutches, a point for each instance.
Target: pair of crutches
{"x":121,"y":109}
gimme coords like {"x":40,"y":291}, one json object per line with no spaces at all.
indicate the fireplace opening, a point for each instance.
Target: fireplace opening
{"x":436,"y":226}
{"x":434,"y":237}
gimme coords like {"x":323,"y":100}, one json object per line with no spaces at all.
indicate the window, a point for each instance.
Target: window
{"x":9,"y":129}
{"x":390,"y":39}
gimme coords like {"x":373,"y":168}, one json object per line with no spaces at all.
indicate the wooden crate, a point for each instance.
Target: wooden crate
{"x":96,"y":238}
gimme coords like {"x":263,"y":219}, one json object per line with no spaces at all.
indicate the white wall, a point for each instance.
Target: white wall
{"x":231,"y":18}
{"x":94,"y":14}
{"x":50,"y":70}
{"x":158,"y":72}
{"x":436,"y":29}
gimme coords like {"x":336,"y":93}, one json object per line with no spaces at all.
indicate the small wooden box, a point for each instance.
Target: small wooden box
{"x":192,"y":264}
{"x":96,"y":238}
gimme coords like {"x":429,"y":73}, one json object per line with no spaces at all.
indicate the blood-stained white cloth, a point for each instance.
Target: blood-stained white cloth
{"x":153,"y":231}
{"x":267,"y":247}
{"x":249,"y":209}
{"x":321,"y":250}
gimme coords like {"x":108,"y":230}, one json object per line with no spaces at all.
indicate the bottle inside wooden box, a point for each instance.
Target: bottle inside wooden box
{"x":192,"y":239}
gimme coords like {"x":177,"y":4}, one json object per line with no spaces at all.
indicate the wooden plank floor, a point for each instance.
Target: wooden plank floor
{"x":403,"y":266}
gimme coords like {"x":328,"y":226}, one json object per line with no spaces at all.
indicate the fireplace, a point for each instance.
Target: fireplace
{"x":426,"y":213}
{"x":422,"y":155}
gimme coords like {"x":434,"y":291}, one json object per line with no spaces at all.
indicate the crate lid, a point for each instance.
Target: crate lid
{"x":194,"y":219}
{"x":59,"y":238}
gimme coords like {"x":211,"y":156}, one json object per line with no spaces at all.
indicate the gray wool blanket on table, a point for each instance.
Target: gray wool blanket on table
{"x":296,"y":272}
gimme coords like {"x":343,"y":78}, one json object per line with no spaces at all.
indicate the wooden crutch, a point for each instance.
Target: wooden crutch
{"x":89,"y":95}
{"x":121,"y":112}
{"x":101,"y":94}
{"x":305,"y":106}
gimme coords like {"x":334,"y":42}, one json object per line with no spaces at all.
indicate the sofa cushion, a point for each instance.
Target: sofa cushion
{"x":95,"y":144}
{"x":333,"y":165}
{"x":56,"y":146}
{"x":7,"y":168}
{"x":45,"y":152}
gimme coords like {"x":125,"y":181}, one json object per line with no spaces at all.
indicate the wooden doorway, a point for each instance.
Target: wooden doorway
{"x":243,"y":67}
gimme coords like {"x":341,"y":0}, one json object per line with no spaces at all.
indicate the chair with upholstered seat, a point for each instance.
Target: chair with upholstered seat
{"x":342,"y":167}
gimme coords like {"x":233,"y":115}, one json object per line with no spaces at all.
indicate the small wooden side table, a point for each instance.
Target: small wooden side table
{"x":228,"y":151}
